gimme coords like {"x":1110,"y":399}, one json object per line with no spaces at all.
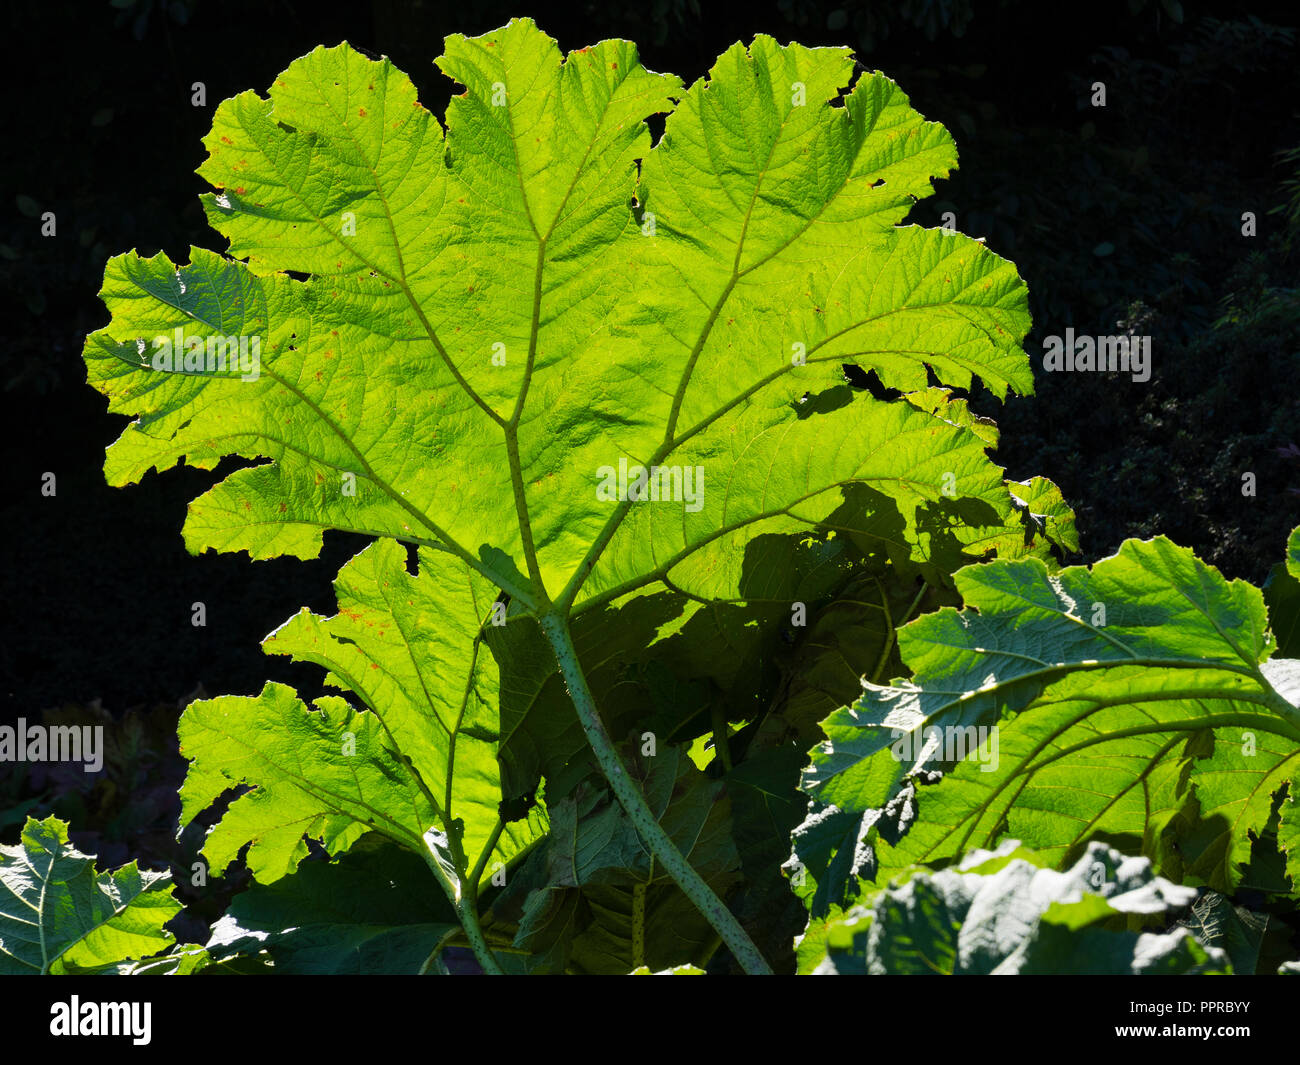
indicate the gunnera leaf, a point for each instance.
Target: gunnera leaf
{"x":59,"y":915}
{"x":1244,"y":935}
{"x":1000,"y":913}
{"x":593,"y":900}
{"x":418,"y":766}
{"x":369,"y":913}
{"x":1134,"y":702}
{"x":580,"y":363}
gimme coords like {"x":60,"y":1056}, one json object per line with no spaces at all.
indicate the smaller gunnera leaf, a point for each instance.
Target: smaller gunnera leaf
{"x":409,"y":648}
{"x":58,"y":915}
{"x":1088,"y":703}
{"x":1000,"y":913}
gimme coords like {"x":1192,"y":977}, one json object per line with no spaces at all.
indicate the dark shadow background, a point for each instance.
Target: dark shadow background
{"x":1130,"y":212}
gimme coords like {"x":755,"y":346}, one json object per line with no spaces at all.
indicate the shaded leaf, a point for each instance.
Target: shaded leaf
{"x":581,"y":911}
{"x":989,"y":915}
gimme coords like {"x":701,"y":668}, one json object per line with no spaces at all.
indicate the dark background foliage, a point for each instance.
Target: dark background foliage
{"x":1128,"y":213}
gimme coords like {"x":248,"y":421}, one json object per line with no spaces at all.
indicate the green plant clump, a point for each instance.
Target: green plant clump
{"x":638,"y":543}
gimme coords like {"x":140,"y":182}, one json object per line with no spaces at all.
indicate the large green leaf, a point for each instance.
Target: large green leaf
{"x":409,"y":647}
{"x":1162,"y":723}
{"x":1000,"y":913}
{"x":766,"y":224}
{"x":58,"y":915}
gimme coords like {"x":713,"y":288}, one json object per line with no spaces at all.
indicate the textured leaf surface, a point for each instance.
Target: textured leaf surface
{"x":409,"y":647}
{"x":1165,"y":719}
{"x":59,"y":915}
{"x":766,"y":225}
{"x":1241,"y":933}
{"x":991,"y":915}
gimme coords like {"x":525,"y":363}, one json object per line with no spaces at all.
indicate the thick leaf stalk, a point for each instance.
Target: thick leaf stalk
{"x":467,"y":911}
{"x":723,"y":920}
